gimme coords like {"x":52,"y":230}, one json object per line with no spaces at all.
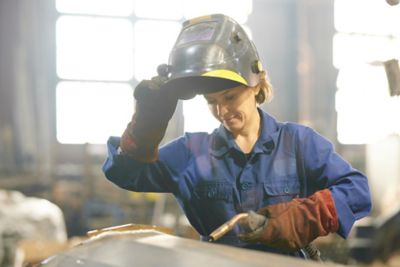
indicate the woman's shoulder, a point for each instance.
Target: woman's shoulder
{"x":286,"y":127}
{"x":303,"y":133}
{"x":296,"y":128}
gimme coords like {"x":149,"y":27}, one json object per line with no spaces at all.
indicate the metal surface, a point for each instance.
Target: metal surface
{"x":150,"y":248}
{"x":129,"y":227}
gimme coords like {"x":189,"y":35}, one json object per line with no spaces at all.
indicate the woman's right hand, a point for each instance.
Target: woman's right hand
{"x":154,"y":108}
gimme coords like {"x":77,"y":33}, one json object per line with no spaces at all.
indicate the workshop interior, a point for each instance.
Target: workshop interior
{"x":68,"y":69}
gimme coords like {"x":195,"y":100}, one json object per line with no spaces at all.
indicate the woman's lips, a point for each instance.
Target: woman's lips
{"x":229,"y":120}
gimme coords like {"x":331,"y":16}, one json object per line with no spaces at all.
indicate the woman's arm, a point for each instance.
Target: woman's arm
{"x":324,"y":168}
{"x":161,"y":175}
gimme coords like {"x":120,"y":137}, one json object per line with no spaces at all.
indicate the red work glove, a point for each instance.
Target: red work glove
{"x":293,"y":225}
{"x":154,"y":109}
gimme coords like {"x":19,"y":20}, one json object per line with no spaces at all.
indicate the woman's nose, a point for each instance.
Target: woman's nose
{"x":221,"y":110}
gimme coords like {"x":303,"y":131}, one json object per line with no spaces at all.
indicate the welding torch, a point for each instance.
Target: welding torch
{"x":251,"y":222}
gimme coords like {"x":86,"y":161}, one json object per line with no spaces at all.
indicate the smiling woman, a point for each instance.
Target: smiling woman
{"x":236,"y":109}
{"x":251,"y":162}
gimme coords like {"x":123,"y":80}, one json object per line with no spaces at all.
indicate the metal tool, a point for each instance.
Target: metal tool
{"x":251,"y":222}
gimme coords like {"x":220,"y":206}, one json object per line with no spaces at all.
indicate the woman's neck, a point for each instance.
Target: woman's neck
{"x":248,"y":136}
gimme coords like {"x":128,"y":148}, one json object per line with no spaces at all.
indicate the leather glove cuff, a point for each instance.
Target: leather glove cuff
{"x":145,"y":152}
{"x":295,"y":224}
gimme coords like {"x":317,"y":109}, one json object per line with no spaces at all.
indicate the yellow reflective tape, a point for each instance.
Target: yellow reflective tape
{"x":226,"y":74}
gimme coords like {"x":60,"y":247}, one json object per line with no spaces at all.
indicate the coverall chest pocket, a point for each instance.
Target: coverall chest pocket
{"x":215,"y":191}
{"x":282,"y":191}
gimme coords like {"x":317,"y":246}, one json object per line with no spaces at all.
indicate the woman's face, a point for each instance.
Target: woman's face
{"x":235,"y":108}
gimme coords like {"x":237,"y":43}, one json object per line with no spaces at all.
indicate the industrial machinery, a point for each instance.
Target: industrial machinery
{"x":378,"y":239}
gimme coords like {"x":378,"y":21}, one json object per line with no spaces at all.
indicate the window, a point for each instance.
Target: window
{"x":197,"y":116}
{"x":104,"y":48}
{"x":153,"y":43}
{"x":92,"y":111}
{"x":91,"y":48}
{"x":95,"y":7}
{"x":94,"y":66}
{"x":239,"y":11}
{"x":367,"y":35}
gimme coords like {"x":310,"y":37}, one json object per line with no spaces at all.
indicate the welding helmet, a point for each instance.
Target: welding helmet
{"x":212,"y":53}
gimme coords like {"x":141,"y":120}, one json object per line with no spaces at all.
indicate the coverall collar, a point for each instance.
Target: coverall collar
{"x":265,"y":144}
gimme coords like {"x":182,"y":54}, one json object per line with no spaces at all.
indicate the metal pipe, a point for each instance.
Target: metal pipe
{"x":226,"y":227}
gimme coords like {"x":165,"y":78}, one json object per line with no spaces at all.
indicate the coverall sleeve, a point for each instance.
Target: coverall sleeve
{"x":160,"y":176}
{"x":325,"y":168}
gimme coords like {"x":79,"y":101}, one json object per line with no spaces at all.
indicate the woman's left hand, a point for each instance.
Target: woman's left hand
{"x":295,"y":224}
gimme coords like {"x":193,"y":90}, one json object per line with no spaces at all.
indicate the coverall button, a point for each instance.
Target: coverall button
{"x":245,"y":186}
{"x":269,"y":145}
{"x":286,"y":189}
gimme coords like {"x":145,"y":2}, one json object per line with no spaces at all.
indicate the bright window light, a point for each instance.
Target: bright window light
{"x":367,"y":16}
{"x":366,"y":112}
{"x":153,"y":43}
{"x":238,"y":10}
{"x":197,"y":116}
{"x":91,"y":48}
{"x":96,"y":7}
{"x":350,"y":49}
{"x":159,"y":9}
{"x":368,"y":34}
{"x":248,"y":31}
{"x":90,"y":112}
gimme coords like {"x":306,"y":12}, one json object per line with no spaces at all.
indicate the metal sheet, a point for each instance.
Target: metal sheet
{"x":150,"y":248}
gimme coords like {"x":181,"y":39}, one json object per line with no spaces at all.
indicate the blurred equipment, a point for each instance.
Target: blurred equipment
{"x":29,"y":224}
{"x":392,"y":2}
{"x":152,"y":248}
{"x":211,"y":53}
{"x":377,"y":239}
{"x":392,"y":69}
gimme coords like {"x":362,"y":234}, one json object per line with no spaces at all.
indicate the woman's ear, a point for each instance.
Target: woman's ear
{"x":256,"y":89}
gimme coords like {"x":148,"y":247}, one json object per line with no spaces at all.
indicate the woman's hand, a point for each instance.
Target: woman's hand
{"x":295,"y":224}
{"x":154,"y":109}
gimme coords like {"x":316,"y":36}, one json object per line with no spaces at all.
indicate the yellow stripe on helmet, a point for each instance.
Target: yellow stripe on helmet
{"x":197,"y":20}
{"x":226,"y":74}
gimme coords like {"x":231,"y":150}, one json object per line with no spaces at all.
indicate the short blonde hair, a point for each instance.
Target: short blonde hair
{"x":265,"y":94}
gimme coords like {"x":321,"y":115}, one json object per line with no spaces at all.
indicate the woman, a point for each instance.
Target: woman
{"x":285,"y":171}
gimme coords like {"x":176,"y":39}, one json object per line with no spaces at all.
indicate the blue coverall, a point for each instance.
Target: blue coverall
{"x":213,"y":180}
